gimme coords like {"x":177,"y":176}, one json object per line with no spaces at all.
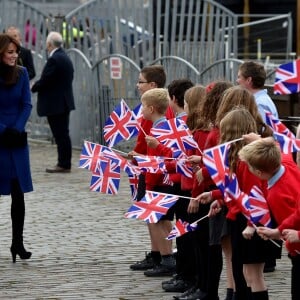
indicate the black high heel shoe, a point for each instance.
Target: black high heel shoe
{"x":19,"y":250}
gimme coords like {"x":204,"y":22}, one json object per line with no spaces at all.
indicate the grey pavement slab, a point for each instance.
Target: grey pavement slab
{"x":82,"y":245}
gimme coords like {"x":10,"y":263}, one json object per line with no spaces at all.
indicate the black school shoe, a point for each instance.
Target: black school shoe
{"x":144,"y":264}
{"x":191,"y":294}
{"x":177,"y":286}
{"x":174,"y":277}
{"x":161,"y":270}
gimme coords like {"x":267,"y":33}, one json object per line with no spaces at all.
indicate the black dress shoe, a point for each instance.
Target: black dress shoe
{"x":169,"y":281}
{"x":177,"y":286}
{"x":161,"y":270}
{"x":186,"y":293}
{"x":145,"y":264}
{"x":58,"y":169}
{"x":192,"y":294}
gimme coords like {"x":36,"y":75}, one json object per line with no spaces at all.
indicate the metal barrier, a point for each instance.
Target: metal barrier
{"x":256,"y":38}
{"x":197,"y":39}
{"x":34,"y":25}
{"x":194,"y":30}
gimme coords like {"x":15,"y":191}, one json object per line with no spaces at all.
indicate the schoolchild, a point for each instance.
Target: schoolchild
{"x":208,"y":253}
{"x":265,"y":161}
{"x":176,"y":90}
{"x":154,"y":105}
{"x":252,"y":75}
{"x":248,"y":249}
{"x":150,"y":77}
{"x":232,"y":97}
{"x":184,"y":278}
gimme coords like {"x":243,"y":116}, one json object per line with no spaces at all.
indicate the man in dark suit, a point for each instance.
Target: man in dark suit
{"x":56,"y":100}
{"x":25,"y":57}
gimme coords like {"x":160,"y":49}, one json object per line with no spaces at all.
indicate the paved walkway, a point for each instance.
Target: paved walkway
{"x":82,"y":245}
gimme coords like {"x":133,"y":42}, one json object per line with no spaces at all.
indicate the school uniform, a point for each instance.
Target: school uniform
{"x":284,"y":202}
{"x":255,"y":250}
{"x":208,"y":256}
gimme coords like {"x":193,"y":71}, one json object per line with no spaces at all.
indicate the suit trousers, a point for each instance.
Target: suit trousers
{"x":59,"y":125}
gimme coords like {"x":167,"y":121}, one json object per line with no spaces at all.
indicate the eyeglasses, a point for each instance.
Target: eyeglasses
{"x":140,"y":82}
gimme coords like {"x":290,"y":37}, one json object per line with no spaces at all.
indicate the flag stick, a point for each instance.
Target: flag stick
{"x":162,"y":157}
{"x":236,"y":140}
{"x":269,"y":239}
{"x":119,"y":151}
{"x":138,"y":124}
{"x":195,"y":223}
{"x":141,"y":128}
{"x":179,"y":196}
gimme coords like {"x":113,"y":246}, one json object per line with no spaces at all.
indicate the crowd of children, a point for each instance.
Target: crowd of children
{"x":217,"y":114}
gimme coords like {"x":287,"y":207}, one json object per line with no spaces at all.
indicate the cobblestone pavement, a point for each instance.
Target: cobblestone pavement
{"x":82,"y":245}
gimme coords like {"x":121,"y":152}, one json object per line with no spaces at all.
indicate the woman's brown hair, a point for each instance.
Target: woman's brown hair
{"x":10,"y":74}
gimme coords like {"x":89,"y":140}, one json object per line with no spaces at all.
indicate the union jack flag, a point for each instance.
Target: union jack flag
{"x":233,"y":192}
{"x":137,"y":113}
{"x":120,"y":125}
{"x":108,"y":179}
{"x":174,"y":133}
{"x":180,"y":228}
{"x":253,"y":206}
{"x":167,"y":180}
{"x":152,"y":207}
{"x":287,"y":78}
{"x":277,"y":125}
{"x":124,"y":163}
{"x":183,"y":166}
{"x":259,"y":209}
{"x":287,"y":144}
{"x":90,"y":156}
{"x":216,"y":161}
{"x":138,"y":116}
{"x":151,"y":164}
{"x":133,"y":184}
{"x":130,"y":168}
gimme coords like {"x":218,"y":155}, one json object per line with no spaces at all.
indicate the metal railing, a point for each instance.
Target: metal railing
{"x":198,"y":39}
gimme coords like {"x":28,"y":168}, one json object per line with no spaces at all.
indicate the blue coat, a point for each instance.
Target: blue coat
{"x":15,"y":108}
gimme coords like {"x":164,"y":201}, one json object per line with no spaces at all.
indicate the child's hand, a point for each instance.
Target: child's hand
{"x":194,"y":159}
{"x":151,"y":141}
{"x":204,"y":198}
{"x":248,"y":232}
{"x":131,"y":154}
{"x":291,"y":235}
{"x":268,"y":233}
{"x":215,"y":208}
{"x":251,"y":137}
{"x":193,"y":206}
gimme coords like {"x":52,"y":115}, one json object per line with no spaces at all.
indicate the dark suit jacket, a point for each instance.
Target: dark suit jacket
{"x":55,"y":92}
{"x":25,"y":59}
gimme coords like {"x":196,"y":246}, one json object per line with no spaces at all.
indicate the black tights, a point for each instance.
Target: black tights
{"x":17,"y":212}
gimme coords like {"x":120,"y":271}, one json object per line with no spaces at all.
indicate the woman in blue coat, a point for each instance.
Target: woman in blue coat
{"x":15,"y":108}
